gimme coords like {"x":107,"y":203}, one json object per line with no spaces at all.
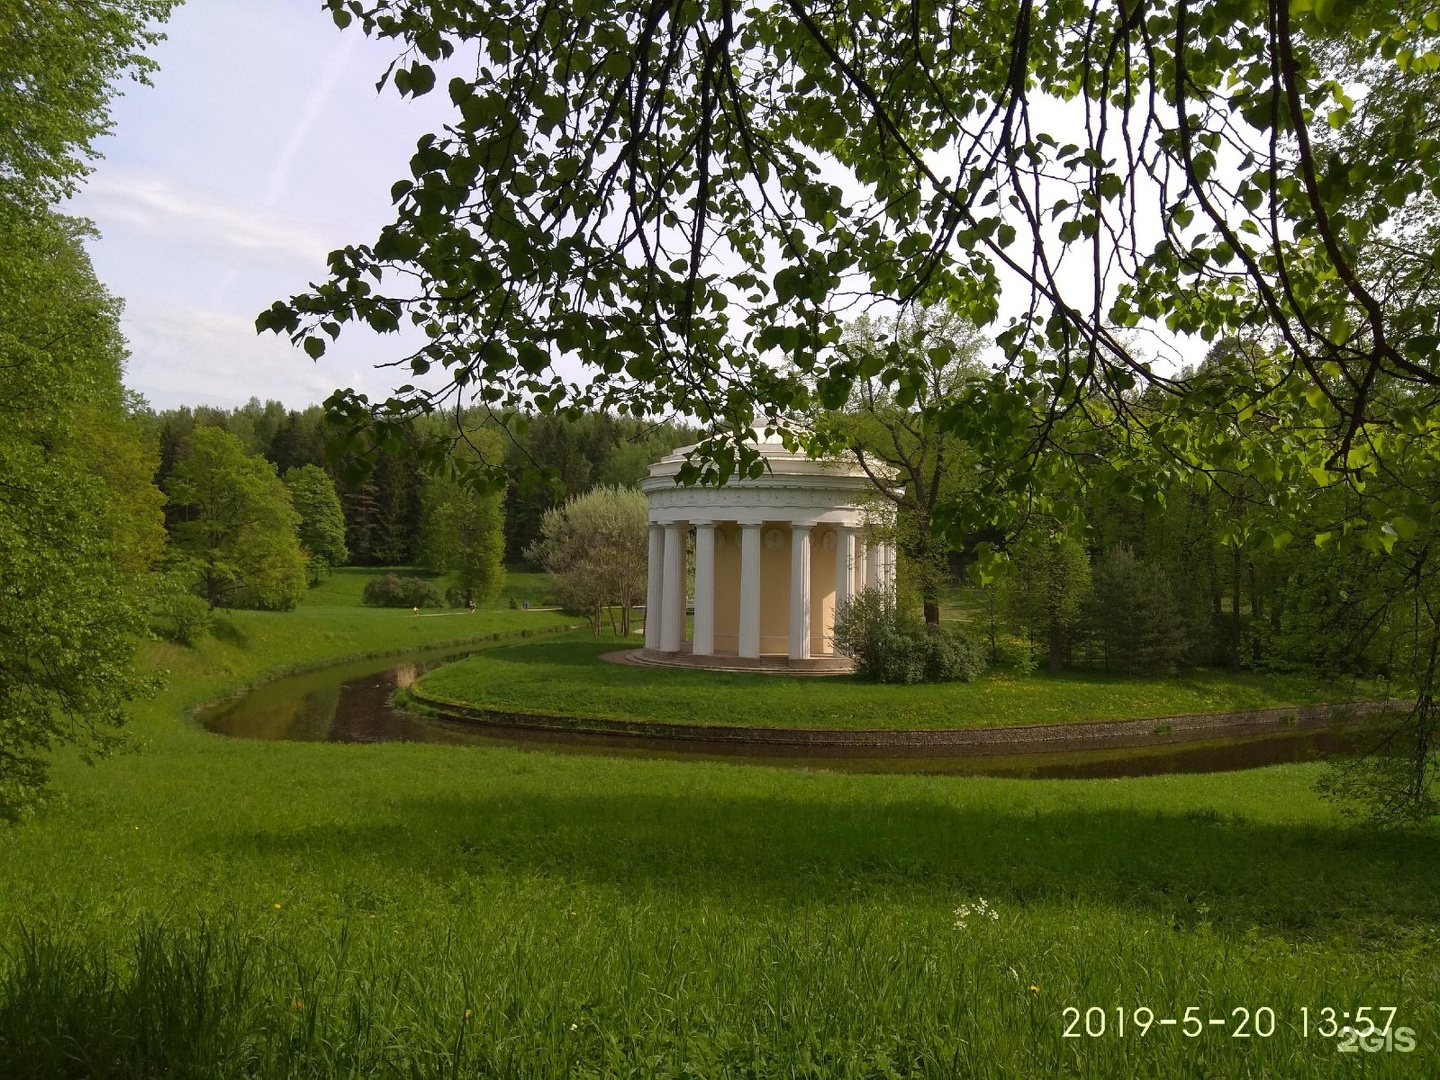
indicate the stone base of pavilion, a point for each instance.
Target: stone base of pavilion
{"x":776,"y":665}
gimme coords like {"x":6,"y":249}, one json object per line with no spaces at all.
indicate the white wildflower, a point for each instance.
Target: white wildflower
{"x":980,"y":909}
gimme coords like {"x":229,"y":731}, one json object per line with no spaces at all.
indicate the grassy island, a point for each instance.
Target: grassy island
{"x":568,"y":678}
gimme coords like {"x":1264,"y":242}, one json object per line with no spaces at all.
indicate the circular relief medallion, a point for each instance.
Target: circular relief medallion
{"x":720,"y":540}
{"x":827,"y":542}
{"x":774,"y":539}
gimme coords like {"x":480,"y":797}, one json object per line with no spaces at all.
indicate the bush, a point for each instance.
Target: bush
{"x":951,"y":657}
{"x":392,"y":590}
{"x":186,"y":618}
{"x":891,"y":647}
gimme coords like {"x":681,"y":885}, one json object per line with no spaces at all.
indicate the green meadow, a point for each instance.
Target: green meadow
{"x":567,"y":678}
{"x":207,"y":907}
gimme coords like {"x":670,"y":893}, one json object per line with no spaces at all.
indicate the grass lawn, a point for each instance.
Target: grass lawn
{"x":567,"y":678}
{"x":206,"y":907}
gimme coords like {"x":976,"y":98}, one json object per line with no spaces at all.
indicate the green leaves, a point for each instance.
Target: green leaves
{"x":60,"y":62}
{"x":81,"y":530}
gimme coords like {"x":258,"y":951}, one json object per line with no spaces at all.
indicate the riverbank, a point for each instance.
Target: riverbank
{"x":214,"y":907}
{"x":568,"y":682}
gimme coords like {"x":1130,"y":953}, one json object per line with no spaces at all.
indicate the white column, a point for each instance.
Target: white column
{"x":704,"y":588}
{"x":750,"y":589}
{"x":654,"y":601}
{"x":844,"y":571}
{"x":874,"y":557}
{"x":672,"y":623}
{"x":799,"y":592}
{"x":862,"y":548}
{"x":888,"y":567}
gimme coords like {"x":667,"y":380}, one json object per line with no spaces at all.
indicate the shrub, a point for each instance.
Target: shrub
{"x":891,"y":647}
{"x":392,"y":590}
{"x":950,"y":656}
{"x":186,"y":618}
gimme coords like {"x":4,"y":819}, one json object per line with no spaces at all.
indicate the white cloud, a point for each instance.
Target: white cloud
{"x":193,"y":356}
{"x":148,"y":204}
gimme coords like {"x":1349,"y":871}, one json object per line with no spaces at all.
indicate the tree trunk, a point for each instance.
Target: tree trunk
{"x":1235,"y":624}
{"x":1057,"y":647}
{"x":932,"y":611}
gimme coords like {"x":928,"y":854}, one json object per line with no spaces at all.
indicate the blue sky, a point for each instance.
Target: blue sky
{"x":261,"y":146}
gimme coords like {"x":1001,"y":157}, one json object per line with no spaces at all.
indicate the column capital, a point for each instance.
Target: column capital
{"x":806,"y":525}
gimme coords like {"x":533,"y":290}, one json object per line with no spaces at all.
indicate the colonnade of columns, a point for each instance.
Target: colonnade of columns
{"x":860,"y":562}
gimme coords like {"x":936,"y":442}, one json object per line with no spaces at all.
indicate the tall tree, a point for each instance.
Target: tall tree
{"x":322,"y":522}
{"x":80,"y":522}
{"x":79,"y":526}
{"x":299,"y":440}
{"x":1047,"y":588}
{"x":59,"y":61}
{"x":237,"y":535}
{"x":915,"y":369}
{"x":464,"y":525}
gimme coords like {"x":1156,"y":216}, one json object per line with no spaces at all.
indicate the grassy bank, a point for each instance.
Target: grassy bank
{"x":218,"y":908}
{"x":567,"y":678}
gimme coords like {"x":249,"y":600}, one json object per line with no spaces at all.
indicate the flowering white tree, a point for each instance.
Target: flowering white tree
{"x":595,"y":545}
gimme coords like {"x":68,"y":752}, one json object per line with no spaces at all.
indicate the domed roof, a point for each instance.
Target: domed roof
{"x":782,"y":466}
{"x":794,"y":487}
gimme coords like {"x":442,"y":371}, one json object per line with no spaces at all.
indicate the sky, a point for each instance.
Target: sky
{"x":261,"y":146}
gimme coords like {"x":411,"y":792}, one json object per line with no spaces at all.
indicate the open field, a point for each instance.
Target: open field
{"x":566,"y":678}
{"x":217,"y":908}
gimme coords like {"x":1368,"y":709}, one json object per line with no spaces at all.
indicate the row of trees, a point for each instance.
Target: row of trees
{"x":1116,"y":559}
{"x":383,"y":489}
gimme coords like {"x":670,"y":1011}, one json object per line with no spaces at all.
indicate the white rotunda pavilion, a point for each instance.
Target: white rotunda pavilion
{"x":774,"y":558}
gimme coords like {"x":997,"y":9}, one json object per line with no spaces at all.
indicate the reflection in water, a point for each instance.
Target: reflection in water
{"x":352,"y":703}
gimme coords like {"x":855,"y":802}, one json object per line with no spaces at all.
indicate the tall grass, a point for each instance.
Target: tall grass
{"x":563,"y":985}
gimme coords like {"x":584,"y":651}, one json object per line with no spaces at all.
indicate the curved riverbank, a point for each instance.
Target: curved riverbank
{"x":1016,"y":739}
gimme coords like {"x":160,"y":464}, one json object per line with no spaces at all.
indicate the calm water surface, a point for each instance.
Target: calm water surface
{"x":351,"y":703}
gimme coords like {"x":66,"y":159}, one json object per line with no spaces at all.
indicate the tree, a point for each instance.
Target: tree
{"x":80,"y":524}
{"x":596,"y":546}
{"x":79,"y":516}
{"x":1044,"y":594}
{"x":1135,"y":615}
{"x":916,"y":367}
{"x":322,"y":523}
{"x":299,"y":440}
{"x":237,"y":533}
{"x":1188,"y":152}
{"x":463,"y":524}
{"x":59,"y":61}
{"x":551,"y":458}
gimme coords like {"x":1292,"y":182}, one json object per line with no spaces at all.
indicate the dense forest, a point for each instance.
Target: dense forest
{"x":548,"y":459}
